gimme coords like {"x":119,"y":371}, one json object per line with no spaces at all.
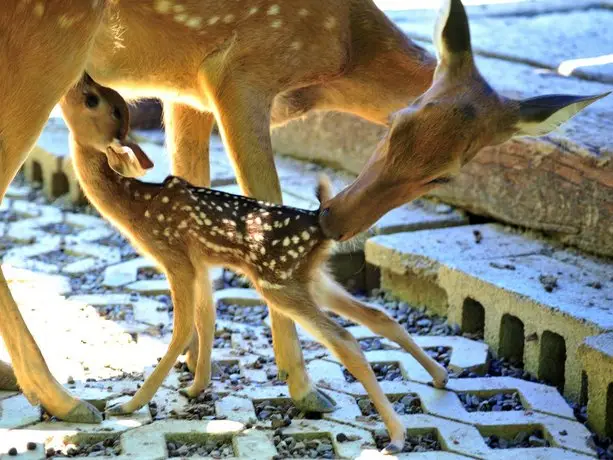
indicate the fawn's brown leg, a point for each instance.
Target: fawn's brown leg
{"x":205,"y":328}
{"x":184,"y":295}
{"x":242,"y":109}
{"x":188,"y":134}
{"x":297,"y":303}
{"x":49,"y":59}
{"x":331,"y":296}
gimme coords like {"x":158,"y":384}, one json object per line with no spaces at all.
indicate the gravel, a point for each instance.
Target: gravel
{"x":109,"y":447}
{"x":117,"y":240}
{"x":440,"y":354}
{"x":60,"y":257}
{"x":289,"y":446}
{"x":491,"y":403}
{"x":533,"y":438}
{"x":252,"y":315}
{"x":373,"y":344}
{"x":200,"y":408}
{"x":223,"y":339}
{"x":425,"y":442}
{"x":403,"y":405}
{"x":149,"y":273}
{"x":216,"y":448}
{"x":383,"y":371}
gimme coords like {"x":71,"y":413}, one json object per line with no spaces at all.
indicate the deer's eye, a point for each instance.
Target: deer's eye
{"x":92,"y":101}
{"x":116,"y":113}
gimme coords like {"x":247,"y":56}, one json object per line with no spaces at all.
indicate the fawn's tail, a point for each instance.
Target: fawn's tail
{"x":324,"y":189}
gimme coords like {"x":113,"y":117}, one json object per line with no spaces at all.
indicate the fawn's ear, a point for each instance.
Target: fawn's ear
{"x":128,"y":159}
{"x":543,"y":114}
{"x":452,"y":33}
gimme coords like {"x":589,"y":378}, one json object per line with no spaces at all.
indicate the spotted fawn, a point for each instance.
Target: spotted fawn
{"x":185,"y":229}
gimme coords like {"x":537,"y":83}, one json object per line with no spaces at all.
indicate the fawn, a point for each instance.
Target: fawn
{"x":247,"y":65}
{"x":185,"y":228}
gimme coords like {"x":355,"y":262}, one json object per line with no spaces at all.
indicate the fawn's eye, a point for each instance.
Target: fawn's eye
{"x":116,"y":113}
{"x":91,"y":100}
{"x":440,"y":181}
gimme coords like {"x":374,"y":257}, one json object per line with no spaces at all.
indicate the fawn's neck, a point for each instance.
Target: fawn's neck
{"x":116,"y":197}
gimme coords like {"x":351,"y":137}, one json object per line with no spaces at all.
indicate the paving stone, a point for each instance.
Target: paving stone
{"x":150,"y":441}
{"x":145,"y":310}
{"x":16,"y":411}
{"x":503,"y":274}
{"x":35,"y":217}
{"x":538,"y":39}
{"x":466,"y":354}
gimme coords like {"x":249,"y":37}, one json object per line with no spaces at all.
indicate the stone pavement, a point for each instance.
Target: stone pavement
{"x":102,"y":317}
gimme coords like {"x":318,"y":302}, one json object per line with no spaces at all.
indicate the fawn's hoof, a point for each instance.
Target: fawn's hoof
{"x":440,"y":378}
{"x":190,"y":393}
{"x":393,"y":448}
{"x":117,"y":409}
{"x":83,"y":412}
{"x":316,"y":401}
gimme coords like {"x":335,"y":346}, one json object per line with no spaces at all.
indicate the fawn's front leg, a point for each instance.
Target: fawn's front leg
{"x":182,"y":279}
{"x":188,"y":134}
{"x":242,"y":109}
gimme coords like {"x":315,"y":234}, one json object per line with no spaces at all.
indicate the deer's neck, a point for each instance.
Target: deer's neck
{"x":120,"y":199}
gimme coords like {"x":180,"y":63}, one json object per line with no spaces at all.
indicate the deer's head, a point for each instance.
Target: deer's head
{"x":429,"y":141}
{"x":99,"y":120}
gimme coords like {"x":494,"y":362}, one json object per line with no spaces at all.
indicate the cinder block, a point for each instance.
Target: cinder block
{"x":596,"y":354}
{"x":502,"y":280}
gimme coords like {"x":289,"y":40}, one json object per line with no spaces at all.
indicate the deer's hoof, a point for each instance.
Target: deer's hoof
{"x":83,"y":412}
{"x":316,"y":401}
{"x":190,"y":393}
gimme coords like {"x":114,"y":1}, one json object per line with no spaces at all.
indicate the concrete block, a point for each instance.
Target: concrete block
{"x":16,"y":411}
{"x":145,"y":310}
{"x":596,"y":354}
{"x":504,"y":279}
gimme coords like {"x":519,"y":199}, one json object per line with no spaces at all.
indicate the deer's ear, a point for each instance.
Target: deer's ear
{"x":543,"y":114}
{"x":452,"y":32}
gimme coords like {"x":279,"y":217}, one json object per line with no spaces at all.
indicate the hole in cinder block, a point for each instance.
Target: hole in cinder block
{"x":609,"y":411}
{"x":37,"y":172}
{"x":552,"y":364}
{"x":512,"y":339}
{"x":473,"y":317}
{"x":199,"y":445}
{"x":85,"y":445}
{"x":513,"y":437}
{"x":584,"y":392}
{"x":59,"y":184}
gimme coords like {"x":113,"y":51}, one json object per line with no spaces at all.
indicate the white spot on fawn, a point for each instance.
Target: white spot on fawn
{"x":286,"y":241}
{"x":178,"y":8}
{"x":194,"y":23}
{"x":296,"y":46}
{"x":228,"y":18}
{"x":165,"y":199}
{"x":276,"y":24}
{"x":253,"y":10}
{"x":39,"y":9}
{"x":330,"y":23}
{"x":213,"y":20}
{"x":162,"y":6}
{"x":273,"y":10}
{"x":305,"y":235}
{"x":303,"y":12}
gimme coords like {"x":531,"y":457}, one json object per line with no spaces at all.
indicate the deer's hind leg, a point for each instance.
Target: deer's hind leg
{"x":182,"y":282}
{"x":241,"y":102}
{"x":333,"y":297}
{"x":297,"y":303}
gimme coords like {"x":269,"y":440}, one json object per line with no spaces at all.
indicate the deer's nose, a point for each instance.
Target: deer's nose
{"x":327,"y":228}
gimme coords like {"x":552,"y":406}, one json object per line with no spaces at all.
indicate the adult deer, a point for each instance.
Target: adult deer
{"x":245,"y":65}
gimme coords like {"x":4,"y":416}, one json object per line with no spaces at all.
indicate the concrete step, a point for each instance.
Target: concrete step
{"x":535,"y":302}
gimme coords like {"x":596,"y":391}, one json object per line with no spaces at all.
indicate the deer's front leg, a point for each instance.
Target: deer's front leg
{"x":188,"y":134}
{"x":242,"y":110}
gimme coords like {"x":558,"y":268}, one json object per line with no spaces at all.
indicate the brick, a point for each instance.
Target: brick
{"x":520,"y":316}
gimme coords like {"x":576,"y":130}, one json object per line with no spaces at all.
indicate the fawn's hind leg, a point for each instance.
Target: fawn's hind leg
{"x":333,"y":297}
{"x":298,"y":304}
{"x":183,"y":291}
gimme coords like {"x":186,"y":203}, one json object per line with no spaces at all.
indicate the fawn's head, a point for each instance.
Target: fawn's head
{"x":429,"y":141}
{"x":99,"y":119}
